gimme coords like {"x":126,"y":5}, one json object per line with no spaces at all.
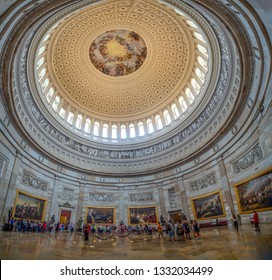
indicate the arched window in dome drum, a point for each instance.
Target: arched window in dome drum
{"x":202,"y":62}
{"x":56,"y":103}
{"x":79,"y":121}
{"x":167,"y":117}
{"x":62,"y":113}
{"x":50,"y":94}
{"x":105,"y":131}
{"x":200,"y":74}
{"x":199,"y":36}
{"x":202,"y":49}
{"x":150,"y":127}
{"x":42,"y":73}
{"x":45,"y":84}
{"x":96,"y":129}
{"x":141,"y":129}
{"x":158,"y":122}
{"x":123,"y":131}
{"x":114,"y":132}
{"x":46,"y":37}
{"x":70,"y":118}
{"x":175,"y":111}
{"x":195,"y":85}
{"x":132,"y":133}
{"x":190,"y":95}
{"x":183,"y":104}
{"x":40,"y":62}
{"x":41,"y":50}
{"x":87,"y":127}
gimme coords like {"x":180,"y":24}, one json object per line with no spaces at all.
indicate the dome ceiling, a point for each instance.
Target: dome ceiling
{"x":166,"y":65}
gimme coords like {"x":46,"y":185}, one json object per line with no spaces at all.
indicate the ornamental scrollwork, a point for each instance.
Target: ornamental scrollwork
{"x":248,"y":159}
{"x":147,"y":196}
{"x":203,"y":182}
{"x":34,"y":182}
{"x":172,"y":198}
{"x":101,"y":197}
{"x":68,"y":195}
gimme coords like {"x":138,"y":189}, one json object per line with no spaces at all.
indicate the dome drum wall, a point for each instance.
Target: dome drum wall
{"x":111,"y":158}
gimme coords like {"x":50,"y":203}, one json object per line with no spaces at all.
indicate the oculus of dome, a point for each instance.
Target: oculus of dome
{"x":118,"y":52}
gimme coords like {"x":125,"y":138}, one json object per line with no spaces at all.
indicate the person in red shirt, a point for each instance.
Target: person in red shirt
{"x":87,"y":229}
{"x":256,"y":220}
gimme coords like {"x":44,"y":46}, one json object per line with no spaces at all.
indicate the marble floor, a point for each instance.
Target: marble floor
{"x":215,"y":244}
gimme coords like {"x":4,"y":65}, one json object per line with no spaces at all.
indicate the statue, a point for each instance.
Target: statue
{"x":53,"y":219}
{"x":80,"y":224}
{"x":10,"y":214}
{"x":162,"y":220}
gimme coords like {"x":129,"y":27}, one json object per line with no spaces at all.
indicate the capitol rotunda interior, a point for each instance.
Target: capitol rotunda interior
{"x":127,"y":114}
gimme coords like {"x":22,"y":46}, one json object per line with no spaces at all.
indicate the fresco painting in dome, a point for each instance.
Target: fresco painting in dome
{"x":118,"y":52}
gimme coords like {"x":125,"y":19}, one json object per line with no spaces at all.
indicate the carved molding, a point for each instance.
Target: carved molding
{"x":66,"y":205}
{"x":34,"y":182}
{"x":101,"y":197}
{"x":147,"y":196}
{"x":203,"y":182}
{"x":248,"y":159}
{"x":68,"y":195}
{"x":172,"y":198}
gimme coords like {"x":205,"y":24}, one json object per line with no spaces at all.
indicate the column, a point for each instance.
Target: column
{"x":229,"y":206}
{"x":80,"y":202}
{"x":53,"y":210}
{"x":162,"y":204}
{"x":10,"y":196}
{"x":184,"y":199}
{"x":122,"y":207}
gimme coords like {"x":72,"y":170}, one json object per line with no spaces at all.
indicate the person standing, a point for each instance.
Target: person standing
{"x":196,"y":229}
{"x":239,"y":221}
{"x":160,"y":231}
{"x":86,"y":232}
{"x":256,"y":220}
{"x":235,"y":222}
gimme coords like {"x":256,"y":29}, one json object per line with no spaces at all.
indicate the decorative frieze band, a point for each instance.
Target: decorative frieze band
{"x":34,"y":182}
{"x":203,"y":182}
{"x":172,"y":198}
{"x":248,"y":159}
{"x":101,"y":197}
{"x":147,"y":196}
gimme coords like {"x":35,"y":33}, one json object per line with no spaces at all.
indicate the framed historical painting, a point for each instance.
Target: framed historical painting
{"x":100,"y":215}
{"x":142,"y":215}
{"x":255,"y":193}
{"x":29,"y":207}
{"x":208,"y":206}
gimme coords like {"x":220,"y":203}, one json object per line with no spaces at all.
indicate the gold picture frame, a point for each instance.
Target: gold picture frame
{"x":142,"y":215}
{"x":29,"y":207}
{"x":100,"y":215}
{"x":255,"y":193}
{"x":208,"y":206}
